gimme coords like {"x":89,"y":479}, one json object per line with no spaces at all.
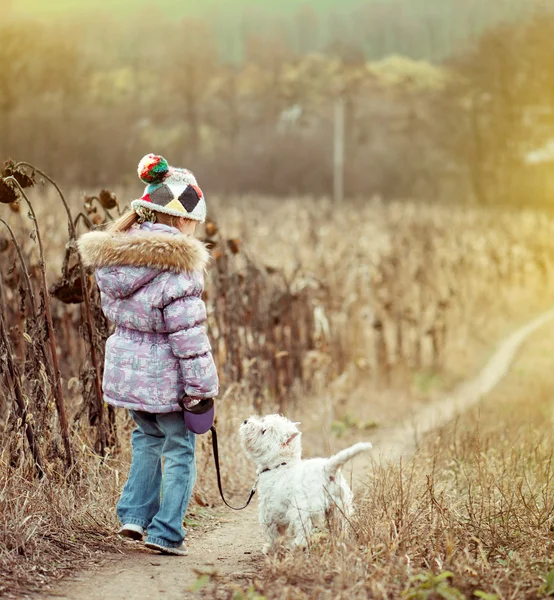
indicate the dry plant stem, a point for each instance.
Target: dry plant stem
{"x":82,"y":217}
{"x":30,"y":294}
{"x":23,"y":268}
{"x":88,"y":314}
{"x":14,"y":384}
{"x":106,"y":211}
{"x":60,"y":402}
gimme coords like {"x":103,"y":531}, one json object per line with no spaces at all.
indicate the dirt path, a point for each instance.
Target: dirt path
{"x":232,"y":548}
{"x":403,"y":440}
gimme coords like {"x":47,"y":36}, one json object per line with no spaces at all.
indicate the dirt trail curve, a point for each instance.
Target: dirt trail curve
{"x":233,"y":547}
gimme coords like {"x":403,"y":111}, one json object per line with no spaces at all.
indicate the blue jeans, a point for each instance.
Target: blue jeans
{"x":157,"y":504}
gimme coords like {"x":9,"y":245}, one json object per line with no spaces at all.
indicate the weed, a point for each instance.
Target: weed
{"x":485,"y":595}
{"x":427,"y":586}
{"x":249,"y":594}
{"x":203,"y":580}
{"x":548,"y":588}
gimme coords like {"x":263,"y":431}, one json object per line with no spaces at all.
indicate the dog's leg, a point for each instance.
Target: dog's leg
{"x":274,"y":533}
{"x":342,"y":519}
{"x":300,"y":540}
{"x":345,"y":497}
{"x":340,"y":508}
{"x":300,"y":529}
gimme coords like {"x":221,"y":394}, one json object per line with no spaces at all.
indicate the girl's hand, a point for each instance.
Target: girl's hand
{"x":188,"y":402}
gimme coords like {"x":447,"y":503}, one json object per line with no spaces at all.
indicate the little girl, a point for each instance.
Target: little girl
{"x":149,"y":269}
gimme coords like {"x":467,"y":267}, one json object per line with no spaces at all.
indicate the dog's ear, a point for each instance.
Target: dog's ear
{"x":290,"y":437}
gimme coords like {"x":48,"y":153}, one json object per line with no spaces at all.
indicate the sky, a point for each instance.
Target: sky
{"x":179,"y":8}
{"x":446,"y":23}
{"x":176,"y":6}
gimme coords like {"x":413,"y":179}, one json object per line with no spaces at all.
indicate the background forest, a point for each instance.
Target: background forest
{"x":460,"y":93}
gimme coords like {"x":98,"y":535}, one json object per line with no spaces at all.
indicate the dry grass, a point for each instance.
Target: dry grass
{"x":476,"y":502}
{"x":50,"y":528}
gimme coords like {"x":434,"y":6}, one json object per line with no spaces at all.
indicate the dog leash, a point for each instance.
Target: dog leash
{"x":216,"y":460}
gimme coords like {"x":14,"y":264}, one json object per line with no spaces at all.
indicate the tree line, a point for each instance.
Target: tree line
{"x":85,"y":98}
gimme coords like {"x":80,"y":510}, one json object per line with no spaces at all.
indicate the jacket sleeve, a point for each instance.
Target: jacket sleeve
{"x":184,"y":320}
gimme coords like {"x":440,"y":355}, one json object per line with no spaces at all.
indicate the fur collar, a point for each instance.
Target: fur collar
{"x":175,"y":252}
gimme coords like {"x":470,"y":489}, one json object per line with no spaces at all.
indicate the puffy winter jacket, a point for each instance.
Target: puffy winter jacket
{"x":151,"y":282}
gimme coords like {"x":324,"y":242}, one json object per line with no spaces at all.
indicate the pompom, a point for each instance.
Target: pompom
{"x":153,"y":168}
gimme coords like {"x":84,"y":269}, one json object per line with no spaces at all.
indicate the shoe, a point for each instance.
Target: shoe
{"x":134,"y":532}
{"x":181,"y":550}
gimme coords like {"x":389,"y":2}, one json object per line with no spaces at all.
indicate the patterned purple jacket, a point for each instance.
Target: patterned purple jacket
{"x":151,"y":281}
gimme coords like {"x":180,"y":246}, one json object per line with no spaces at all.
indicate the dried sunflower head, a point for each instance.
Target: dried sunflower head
{"x":211,"y":228}
{"x":19,"y":174}
{"x":7,"y":193}
{"x":69,"y":290}
{"x":210,"y":244}
{"x":87,"y":203}
{"x":23,"y":179}
{"x":107,"y":199}
{"x":234,"y":245}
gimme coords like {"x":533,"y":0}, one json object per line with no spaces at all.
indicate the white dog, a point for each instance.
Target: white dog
{"x":295,"y":494}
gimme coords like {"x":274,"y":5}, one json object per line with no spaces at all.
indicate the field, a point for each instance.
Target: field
{"x":357,"y":315}
{"x":411,"y":309}
{"x":470,"y":516}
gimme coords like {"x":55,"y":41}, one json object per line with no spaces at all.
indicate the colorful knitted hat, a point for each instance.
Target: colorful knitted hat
{"x":170,"y":190}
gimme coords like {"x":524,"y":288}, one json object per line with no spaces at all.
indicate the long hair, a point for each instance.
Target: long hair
{"x":124,"y":223}
{"x":130,"y":218}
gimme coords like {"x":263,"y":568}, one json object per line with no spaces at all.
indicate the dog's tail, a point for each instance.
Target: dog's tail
{"x":338,"y":460}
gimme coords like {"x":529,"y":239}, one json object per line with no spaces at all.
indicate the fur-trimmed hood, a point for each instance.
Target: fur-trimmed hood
{"x":154,"y":246}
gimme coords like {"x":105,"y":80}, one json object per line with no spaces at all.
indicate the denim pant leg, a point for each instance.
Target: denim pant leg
{"x":166,"y":528}
{"x":140,"y":499}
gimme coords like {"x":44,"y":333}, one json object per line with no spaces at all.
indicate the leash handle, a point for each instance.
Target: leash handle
{"x":216,"y":460}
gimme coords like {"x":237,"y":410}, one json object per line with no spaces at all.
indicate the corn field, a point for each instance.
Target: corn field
{"x":403,"y":286}
{"x":371,"y":290}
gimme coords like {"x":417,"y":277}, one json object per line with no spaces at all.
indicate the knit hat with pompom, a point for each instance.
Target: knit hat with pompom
{"x":170,"y":190}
